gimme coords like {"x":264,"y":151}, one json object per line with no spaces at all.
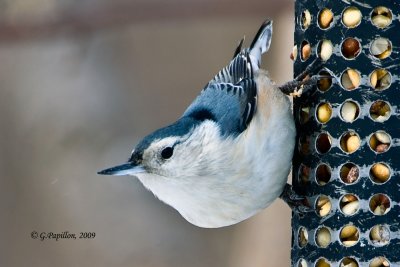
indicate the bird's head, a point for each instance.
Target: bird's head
{"x":171,"y":152}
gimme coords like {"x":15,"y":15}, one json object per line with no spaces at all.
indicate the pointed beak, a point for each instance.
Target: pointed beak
{"x":124,"y":169}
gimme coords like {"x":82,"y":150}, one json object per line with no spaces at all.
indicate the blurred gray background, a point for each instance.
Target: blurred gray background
{"x":80,"y":83}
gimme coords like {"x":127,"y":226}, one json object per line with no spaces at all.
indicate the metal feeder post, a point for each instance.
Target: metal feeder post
{"x":347,"y":156}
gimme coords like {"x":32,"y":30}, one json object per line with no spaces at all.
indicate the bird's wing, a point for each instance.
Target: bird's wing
{"x":230,"y":105}
{"x":247,"y":61}
{"x":230,"y":98}
{"x":238,"y":69}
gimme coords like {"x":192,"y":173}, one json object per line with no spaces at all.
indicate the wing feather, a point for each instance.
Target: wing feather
{"x":232,"y":105}
{"x":230,"y":98}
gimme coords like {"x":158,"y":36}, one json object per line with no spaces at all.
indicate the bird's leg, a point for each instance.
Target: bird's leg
{"x":316,"y":64}
{"x":296,"y":88}
{"x":303,"y":82}
{"x":299,"y":204}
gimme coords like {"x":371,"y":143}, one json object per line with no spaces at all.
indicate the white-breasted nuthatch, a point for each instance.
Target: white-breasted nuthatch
{"x":230,"y":154}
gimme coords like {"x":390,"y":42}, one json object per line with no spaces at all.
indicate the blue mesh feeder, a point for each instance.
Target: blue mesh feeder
{"x":347,"y":156}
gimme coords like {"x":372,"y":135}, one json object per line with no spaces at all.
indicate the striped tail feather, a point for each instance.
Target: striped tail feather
{"x":247,"y":60}
{"x":260,"y":44}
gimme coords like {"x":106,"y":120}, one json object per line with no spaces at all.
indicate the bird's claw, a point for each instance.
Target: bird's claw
{"x":299,"y":204}
{"x":297,"y":92}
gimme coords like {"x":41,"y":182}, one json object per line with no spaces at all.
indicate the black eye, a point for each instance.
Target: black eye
{"x":167,"y":152}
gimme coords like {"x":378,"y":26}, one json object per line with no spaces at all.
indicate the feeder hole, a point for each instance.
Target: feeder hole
{"x":380,"y":142}
{"x":323,"y":174}
{"x":379,"y":173}
{"x":304,"y":114}
{"x":325,"y":18}
{"x":324,"y":83}
{"x":351,"y":17}
{"x":349,"y":173}
{"x":322,"y":262}
{"x":350,"y":142}
{"x":323,"y":237}
{"x":324,"y":112}
{"x":379,"y":262}
{"x":323,"y":143}
{"x":302,"y":237}
{"x":380,"y":79}
{"x":323,"y":206}
{"x":324,"y":50}
{"x":304,"y":174}
{"x":379,"y":111}
{"x":304,"y":145}
{"x":381,"y":17}
{"x":348,"y":262}
{"x":349,"y":235}
{"x":379,"y":235}
{"x":302,"y":263}
{"x":350,"y":79}
{"x":305,"y":50}
{"x":349,"y":204}
{"x":305,"y":19}
{"x":381,"y":48}
{"x":351,"y":48}
{"x":349,"y":111}
{"x":293,"y":55}
{"x":379,"y":204}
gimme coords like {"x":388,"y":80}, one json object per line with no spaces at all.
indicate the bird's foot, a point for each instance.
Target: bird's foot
{"x":296,"y":88}
{"x":297,"y":92}
{"x":298,"y":204}
{"x":305,"y":80}
{"x":310,"y":70}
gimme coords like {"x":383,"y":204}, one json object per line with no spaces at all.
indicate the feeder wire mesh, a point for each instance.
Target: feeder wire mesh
{"x":347,"y":154}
